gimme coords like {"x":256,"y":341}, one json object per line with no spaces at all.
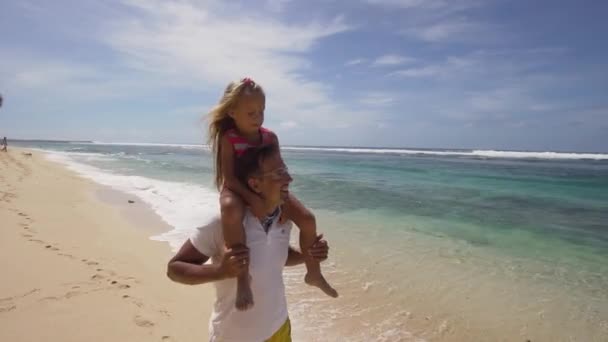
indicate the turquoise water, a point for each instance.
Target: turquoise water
{"x":564,"y":199}
{"x":535,"y":221}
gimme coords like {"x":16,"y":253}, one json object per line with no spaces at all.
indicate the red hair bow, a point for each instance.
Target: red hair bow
{"x":248,"y":81}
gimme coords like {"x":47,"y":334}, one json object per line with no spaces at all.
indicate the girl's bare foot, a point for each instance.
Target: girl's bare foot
{"x":319,"y":281}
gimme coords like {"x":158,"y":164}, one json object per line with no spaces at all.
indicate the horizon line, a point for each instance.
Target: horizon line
{"x":456,"y":149}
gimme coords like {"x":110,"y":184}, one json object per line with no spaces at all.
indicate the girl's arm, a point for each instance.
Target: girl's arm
{"x":274,"y":139}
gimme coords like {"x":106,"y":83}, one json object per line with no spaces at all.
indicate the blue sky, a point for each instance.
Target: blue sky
{"x":396,"y":73}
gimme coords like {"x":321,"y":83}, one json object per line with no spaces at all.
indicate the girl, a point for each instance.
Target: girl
{"x":235,"y":124}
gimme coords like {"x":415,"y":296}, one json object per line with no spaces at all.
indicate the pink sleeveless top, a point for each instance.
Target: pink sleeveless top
{"x":240,"y":144}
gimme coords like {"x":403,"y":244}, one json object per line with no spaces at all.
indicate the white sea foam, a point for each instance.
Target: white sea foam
{"x":474,"y":153}
{"x":183,"y":206}
{"x":184,"y":146}
{"x":404,"y":151}
{"x":539,"y":155}
{"x":86,"y":156}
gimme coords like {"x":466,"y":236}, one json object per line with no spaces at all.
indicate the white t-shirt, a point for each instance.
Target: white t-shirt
{"x":267,"y":257}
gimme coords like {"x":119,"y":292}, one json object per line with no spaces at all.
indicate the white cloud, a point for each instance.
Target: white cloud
{"x":442,"y":20}
{"x":486,"y":87}
{"x":354,"y":62}
{"x":276,"y":5}
{"x":409,"y":3}
{"x":392,"y":59}
{"x":208,"y":47}
{"x":29,"y":6}
{"x":452,"y":30}
{"x":425,"y":71}
{"x":377,"y":99}
{"x":470,"y":66}
{"x":46,"y":79}
{"x":288,"y":124}
{"x":446,"y":6}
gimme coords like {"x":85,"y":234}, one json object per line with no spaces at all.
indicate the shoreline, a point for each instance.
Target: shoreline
{"x":79,"y":263}
{"x":138,"y":213}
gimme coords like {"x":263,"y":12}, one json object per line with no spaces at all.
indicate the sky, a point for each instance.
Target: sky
{"x":494,"y":74}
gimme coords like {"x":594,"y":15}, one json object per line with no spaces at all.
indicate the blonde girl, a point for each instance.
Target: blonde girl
{"x":235,"y":124}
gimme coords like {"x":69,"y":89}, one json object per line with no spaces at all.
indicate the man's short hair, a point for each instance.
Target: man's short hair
{"x":250,"y":162}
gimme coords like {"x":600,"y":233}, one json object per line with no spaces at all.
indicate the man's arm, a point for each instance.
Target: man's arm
{"x":186,"y":267}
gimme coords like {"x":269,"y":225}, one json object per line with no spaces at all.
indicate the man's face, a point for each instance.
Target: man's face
{"x":272,"y":181}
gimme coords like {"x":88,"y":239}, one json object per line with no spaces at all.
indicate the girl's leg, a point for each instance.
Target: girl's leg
{"x":233,"y":211}
{"x":306,"y":222}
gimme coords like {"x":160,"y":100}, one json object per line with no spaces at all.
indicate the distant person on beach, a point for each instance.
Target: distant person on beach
{"x":262,"y":171}
{"x":4,"y":145}
{"x":235,"y":124}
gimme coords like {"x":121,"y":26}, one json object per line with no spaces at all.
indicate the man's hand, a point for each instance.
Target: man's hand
{"x":319,"y":249}
{"x":234,"y":262}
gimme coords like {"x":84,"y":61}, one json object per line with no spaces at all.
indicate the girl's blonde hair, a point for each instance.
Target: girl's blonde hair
{"x":220,"y":120}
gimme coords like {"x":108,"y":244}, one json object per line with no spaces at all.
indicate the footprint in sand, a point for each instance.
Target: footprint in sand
{"x":90,"y":262}
{"x":8,"y":308}
{"x":120,"y":286}
{"x":67,"y":255}
{"x":6,"y":299}
{"x":134,"y":301}
{"x":97,"y":276}
{"x":51,"y":247}
{"x":102,"y":274}
{"x":48,"y":298}
{"x":71,"y":294}
{"x":67,"y":295}
{"x":142,"y":322}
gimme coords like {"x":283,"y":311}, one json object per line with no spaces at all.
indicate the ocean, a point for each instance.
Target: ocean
{"x":426,"y":244}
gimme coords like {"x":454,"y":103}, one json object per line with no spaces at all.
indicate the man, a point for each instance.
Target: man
{"x":263,"y":171}
{"x":4,"y":145}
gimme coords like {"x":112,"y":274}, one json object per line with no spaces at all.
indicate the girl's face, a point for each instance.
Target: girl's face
{"x":248,"y":114}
